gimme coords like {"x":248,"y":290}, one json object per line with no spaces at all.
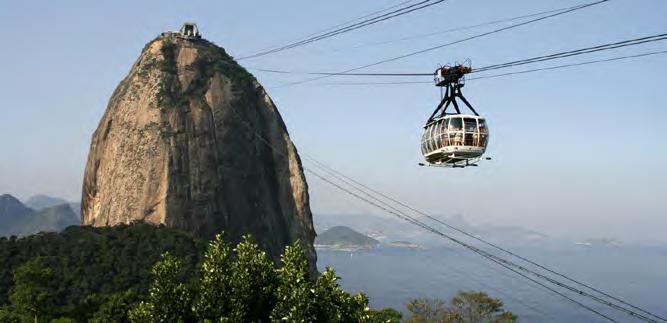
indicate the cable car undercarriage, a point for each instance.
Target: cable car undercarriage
{"x":454,"y":139}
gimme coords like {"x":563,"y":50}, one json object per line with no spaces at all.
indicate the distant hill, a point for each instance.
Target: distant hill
{"x":41,"y":201}
{"x":344,"y":237}
{"x":12,"y":211}
{"x":388,"y":228}
{"x":76,"y":207}
{"x":19,"y":220}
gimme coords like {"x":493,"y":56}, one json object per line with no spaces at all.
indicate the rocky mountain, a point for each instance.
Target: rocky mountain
{"x":20,"y":220}
{"x":344,"y":237}
{"x":190,"y":139}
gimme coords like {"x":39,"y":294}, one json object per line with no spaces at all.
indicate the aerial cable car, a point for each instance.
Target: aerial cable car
{"x":453,"y":139}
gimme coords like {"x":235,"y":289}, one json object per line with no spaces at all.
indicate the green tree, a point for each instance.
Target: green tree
{"x":465,"y":307}
{"x":295,"y":294}
{"x":335,"y":305}
{"x":253,"y":283}
{"x":116,"y":308}
{"x":99,"y":261}
{"x":213,"y":301}
{"x":33,"y":293}
{"x":168,"y":298}
{"x":472,"y":306}
{"x":386,"y":315}
{"x":63,"y":320}
{"x":7,"y":315}
{"x":426,"y":310}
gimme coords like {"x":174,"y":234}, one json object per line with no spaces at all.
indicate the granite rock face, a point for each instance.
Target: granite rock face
{"x":183,"y":142}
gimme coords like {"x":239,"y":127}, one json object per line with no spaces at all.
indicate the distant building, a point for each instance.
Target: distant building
{"x":190,"y":31}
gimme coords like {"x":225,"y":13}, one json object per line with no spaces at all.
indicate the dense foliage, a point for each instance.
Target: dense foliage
{"x":143,"y":273}
{"x":89,"y":265}
{"x":248,"y":287}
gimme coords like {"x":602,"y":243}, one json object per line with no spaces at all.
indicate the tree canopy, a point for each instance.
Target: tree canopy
{"x":466,"y":306}
{"x":142,"y":273}
{"x":90,"y":266}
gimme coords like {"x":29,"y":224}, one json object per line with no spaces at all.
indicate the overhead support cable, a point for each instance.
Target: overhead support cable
{"x":570,"y":65}
{"x":337,"y":74}
{"x":588,"y":50}
{"x":548,"y":68}
{"x":543,"y":58}
{"x":374,"y":199}
{"x":365,"y":189}
{"x":576,"y":8}
{"x":393,"y":14}
{"x":462,"y":28}
{"x":518,"y":269}
{"x":478,"y":251}
{"x":321,"y":31}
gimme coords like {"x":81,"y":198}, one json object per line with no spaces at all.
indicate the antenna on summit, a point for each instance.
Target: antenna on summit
{"x":189,"y":31}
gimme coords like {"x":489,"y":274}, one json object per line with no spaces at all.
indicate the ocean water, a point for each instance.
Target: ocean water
{"x":390,"y":277}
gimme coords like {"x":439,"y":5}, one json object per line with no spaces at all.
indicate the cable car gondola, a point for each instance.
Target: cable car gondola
{"x":453,"y":139}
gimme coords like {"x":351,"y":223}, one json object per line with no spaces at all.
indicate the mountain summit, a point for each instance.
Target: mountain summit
{"x":183,"y":142}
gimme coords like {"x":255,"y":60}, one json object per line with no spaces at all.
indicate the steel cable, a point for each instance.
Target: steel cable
{"x":446,"y":44}
{"x":503,"y":262}
{"x":396,"y":13}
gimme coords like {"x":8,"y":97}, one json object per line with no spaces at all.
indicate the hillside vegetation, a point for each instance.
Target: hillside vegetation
{"x":89,"y":264}
{"x":145,"y":273}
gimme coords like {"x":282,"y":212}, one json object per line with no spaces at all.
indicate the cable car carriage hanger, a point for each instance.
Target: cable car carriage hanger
{"x":453,"y":139}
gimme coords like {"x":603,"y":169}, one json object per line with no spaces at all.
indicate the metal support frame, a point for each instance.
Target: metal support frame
{"x":452,"y":92}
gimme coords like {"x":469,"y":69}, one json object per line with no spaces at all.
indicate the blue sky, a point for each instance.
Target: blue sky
{"x":577,"y":152}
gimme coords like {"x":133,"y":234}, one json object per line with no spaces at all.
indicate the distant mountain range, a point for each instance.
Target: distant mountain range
{"x":40,"y":213}
{"x":388,"y":229}
{"x":40,"y":201}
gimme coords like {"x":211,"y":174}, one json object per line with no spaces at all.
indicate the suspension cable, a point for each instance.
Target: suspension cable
{"x":469,"y":247}
{"x":330,"y":28}
{"x":503,"y":262}
{"x":575,"y":52}
{"x":461,"y":28}
{"x":587,"y":50}
{"x":448,"y":44}
{"x":505,"y":295}
{"x":388,"y":208}
{"x":548,"y":68}
{"x":396,"y":13}
{"x":569,"y":65}
{"x":356,"y":184}
{"x":338,"y":74}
